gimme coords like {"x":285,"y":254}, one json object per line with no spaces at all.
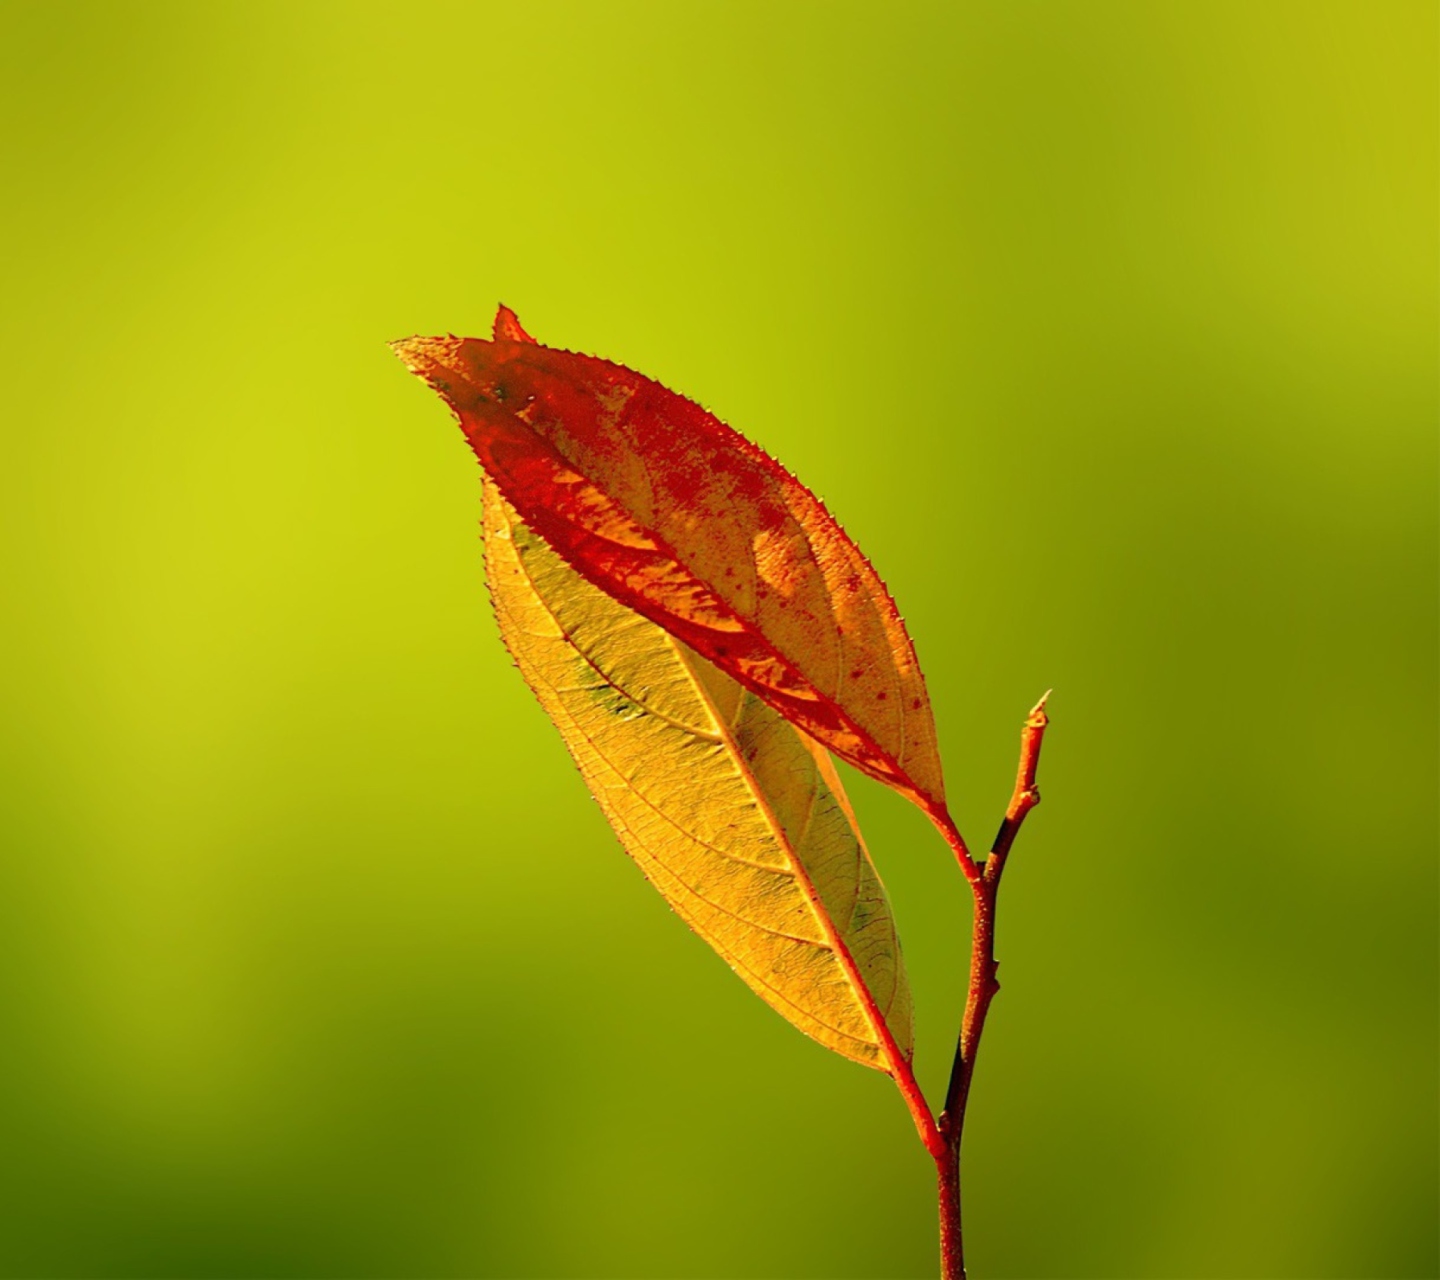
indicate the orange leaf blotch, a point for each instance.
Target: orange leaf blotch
{"x":679,"y":517}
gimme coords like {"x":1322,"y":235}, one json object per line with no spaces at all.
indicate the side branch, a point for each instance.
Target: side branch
{"x":1026,"y":794}
{"x":984,"y":885}
{"x":983,"y":965}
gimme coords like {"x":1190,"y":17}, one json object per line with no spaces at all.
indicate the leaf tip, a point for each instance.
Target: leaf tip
{"x":507,"y":327}
{"x":433,"y":360}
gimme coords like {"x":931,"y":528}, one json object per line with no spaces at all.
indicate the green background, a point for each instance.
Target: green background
{"x":1108,"y":330}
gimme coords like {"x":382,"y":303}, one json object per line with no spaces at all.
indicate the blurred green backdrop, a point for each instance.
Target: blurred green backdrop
{"x":1108,"y":329}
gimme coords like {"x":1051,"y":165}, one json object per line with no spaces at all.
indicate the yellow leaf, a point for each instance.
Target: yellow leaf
{"x":735,"y":816}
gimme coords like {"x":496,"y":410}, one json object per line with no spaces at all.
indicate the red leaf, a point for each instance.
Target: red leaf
{"x":682,"y":519}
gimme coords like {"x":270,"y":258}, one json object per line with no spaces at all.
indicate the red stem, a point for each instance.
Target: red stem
{"x":985,"y":886}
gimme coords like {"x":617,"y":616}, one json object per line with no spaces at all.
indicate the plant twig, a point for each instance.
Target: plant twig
{"x":984,"y":885}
